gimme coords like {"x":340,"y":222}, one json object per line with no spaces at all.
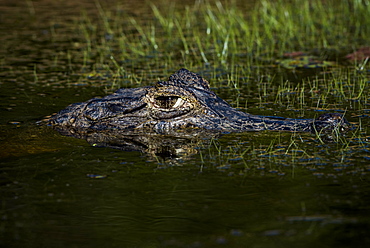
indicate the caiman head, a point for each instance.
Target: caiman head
{"x":185,"y":101}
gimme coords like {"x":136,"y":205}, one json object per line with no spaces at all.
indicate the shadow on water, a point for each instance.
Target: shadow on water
{"x":264,"y":189}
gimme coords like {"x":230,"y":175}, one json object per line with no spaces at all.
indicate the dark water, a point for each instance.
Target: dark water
{"x":239,"y":190}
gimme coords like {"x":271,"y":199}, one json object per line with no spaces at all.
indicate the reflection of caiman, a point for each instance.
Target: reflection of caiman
{"x":185,"y":101}
{"x":156,"y":146}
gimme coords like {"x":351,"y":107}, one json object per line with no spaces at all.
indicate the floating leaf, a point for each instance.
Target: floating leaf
{"x":361,"y":54}
{"x":297,"y":60}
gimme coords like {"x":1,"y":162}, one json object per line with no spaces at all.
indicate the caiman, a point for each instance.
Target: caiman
{"x":185,"y":101}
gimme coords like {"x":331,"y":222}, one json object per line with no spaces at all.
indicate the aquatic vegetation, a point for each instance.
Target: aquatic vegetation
{"x":363,"y":53}
{"x":223,"y":35}
{"x":237,"y":48}
{"x":303,"y":61}
{"x":284,"y":154}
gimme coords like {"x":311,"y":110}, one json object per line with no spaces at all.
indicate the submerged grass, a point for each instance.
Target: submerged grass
{"x":284,"y":154}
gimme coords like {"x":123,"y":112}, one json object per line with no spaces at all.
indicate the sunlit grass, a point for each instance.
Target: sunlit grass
{"x":235,"y":48}
{"x":243,"y":43}
{"x":224,"y":35}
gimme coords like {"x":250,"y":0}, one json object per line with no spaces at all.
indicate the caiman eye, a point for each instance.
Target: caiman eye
{"x":168,"y":102}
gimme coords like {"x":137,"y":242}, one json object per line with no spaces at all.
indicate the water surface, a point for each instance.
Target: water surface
{"x":264,"y":189}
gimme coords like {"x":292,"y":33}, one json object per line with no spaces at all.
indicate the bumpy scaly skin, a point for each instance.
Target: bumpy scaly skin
{"x":185,"y":101}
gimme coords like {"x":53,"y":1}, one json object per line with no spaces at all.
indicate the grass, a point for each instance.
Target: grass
{"x":284,"y":154}
{"x":241,"y":51}
{"x":218,"y":34}
{"x":222,"y":37}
